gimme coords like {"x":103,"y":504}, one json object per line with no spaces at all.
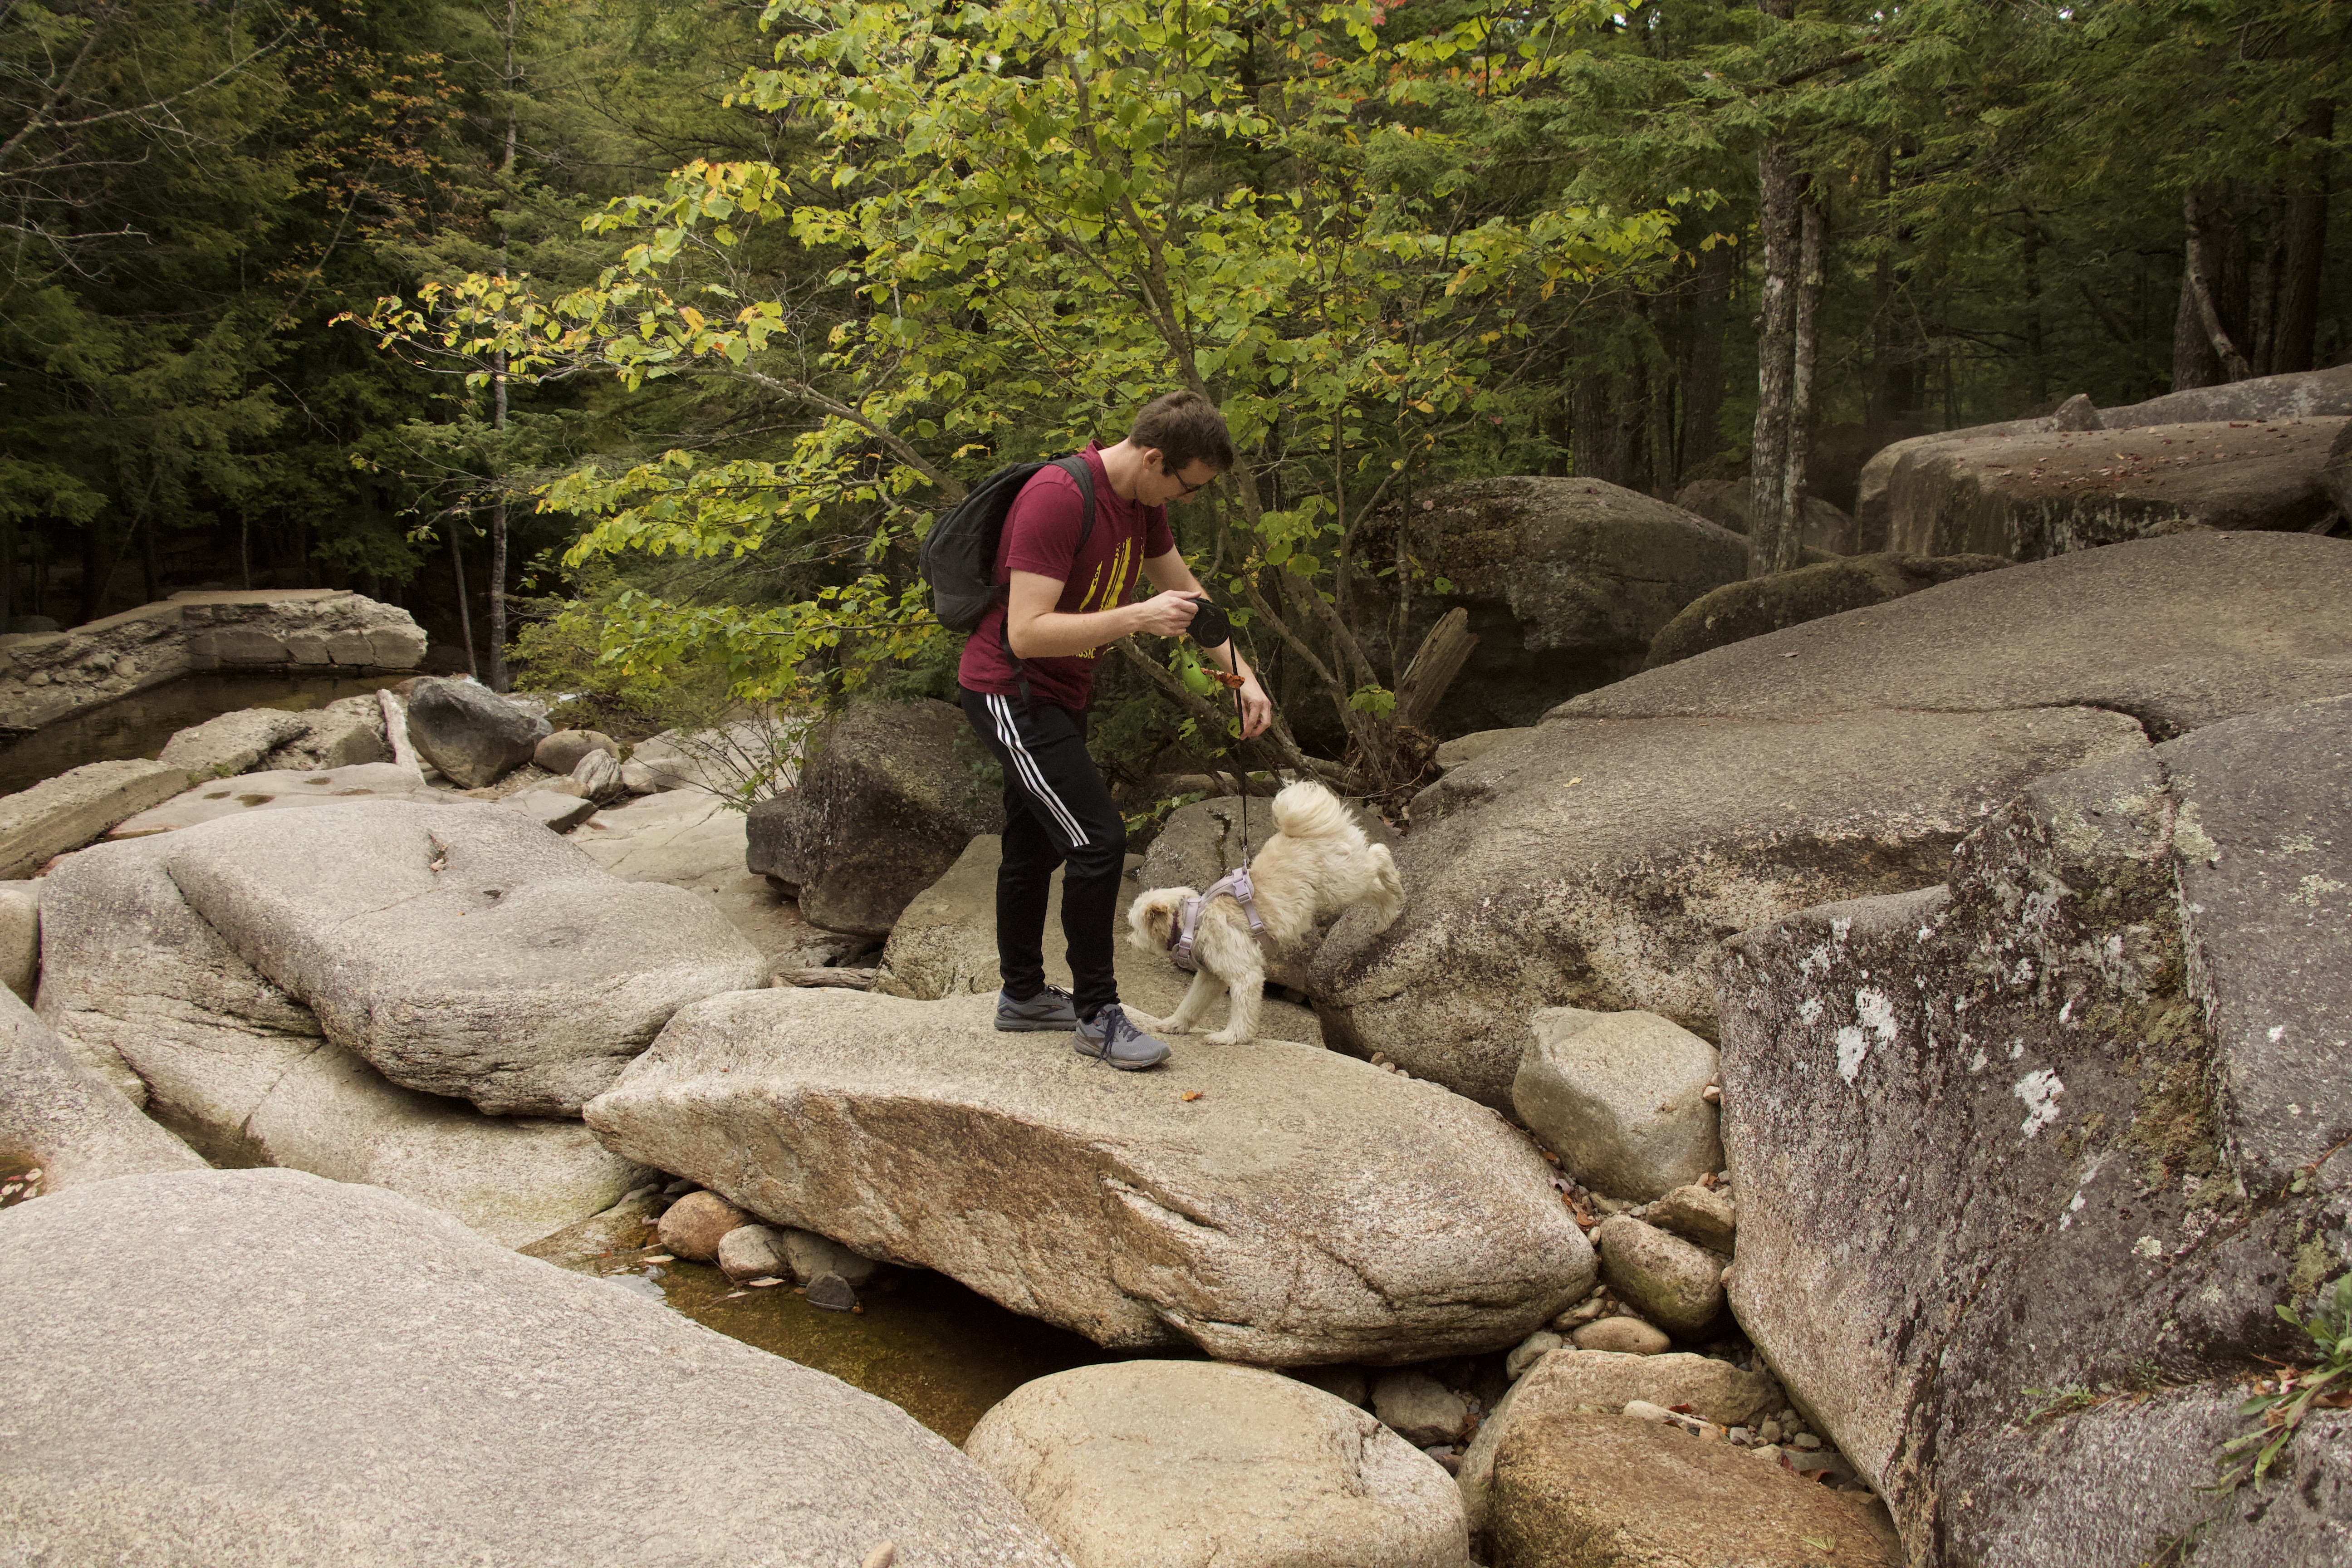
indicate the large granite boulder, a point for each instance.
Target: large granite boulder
{"x":2027,"y":497}
{"x":1756,"y":605}
{"x":20,"y":937}
{"x":70,"y":810}
{"x":945,"y":945}
{"x":462,"y":950}
{"x":1730,"y":504}
{"x":58,"y":1116}
{"x":373,"y":1383}
{"x":469,"y":732}
{"x":690,"y":838}
{"x":1573,"y":1491}
{"x":1567,"y":582}
{"x":237,"y":1067}
{"x":1174,"y":1464}
{"x":2068,"y":1123}
{"x":1600,"y":862}
{"x":884,"y":805}
{"x":1870,"y":503}
{"x":1273,"y":1203}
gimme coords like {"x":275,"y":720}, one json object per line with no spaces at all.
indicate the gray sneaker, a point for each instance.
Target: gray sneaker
{"x":1107,"y":1036}
{"x":1049,"y":1009}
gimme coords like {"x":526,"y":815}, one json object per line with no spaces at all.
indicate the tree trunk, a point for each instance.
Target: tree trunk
{"x":498,"y":677}
{"x":1433,"y":669}
{"x":465,"y":613}
{"x":1773,"y":524}
{"x":2193,"y":364}
{"x":151,"y":572}
{"x":2297,"y":338}
{"x":2202,"y":280}
{"x":7,"y":572}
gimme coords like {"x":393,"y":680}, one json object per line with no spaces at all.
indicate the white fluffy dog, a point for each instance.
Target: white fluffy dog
{"x":1318,"y":863}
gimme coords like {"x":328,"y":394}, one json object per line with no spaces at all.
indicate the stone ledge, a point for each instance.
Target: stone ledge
{"x":46,"y":675}
{"x":70,"y":810}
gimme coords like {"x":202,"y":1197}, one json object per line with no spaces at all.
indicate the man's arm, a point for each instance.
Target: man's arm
{"x":1037,"y":630}
{"x":1170,"y":574}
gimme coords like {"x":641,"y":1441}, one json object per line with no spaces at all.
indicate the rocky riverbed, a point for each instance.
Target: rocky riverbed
{"x":1853,"y":1096}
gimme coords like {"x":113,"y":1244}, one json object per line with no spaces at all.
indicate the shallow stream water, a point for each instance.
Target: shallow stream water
{"x":938,"y":1351}
{"x":139,"y":724}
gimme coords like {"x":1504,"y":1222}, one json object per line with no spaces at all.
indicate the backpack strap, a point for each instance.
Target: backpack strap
{"x":1079,"y":468}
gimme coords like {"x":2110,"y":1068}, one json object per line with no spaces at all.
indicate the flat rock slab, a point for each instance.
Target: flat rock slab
{"x":2158,"y":628}
{"x":689,"y":838}
{"x":70,"y":810}
{"x":1304,"y":1207}
{"x":1159,"y":1463}
{"x":1578,"y":1491}
{"x":375,"y":1384}
{"x":2027,"y":497}
{"x":279,"y":790}
{"x":461,"y":950}
{"x":945,"y":945}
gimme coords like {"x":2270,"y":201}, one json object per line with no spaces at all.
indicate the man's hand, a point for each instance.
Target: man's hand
{"x":1257,"y":708}
{"x":1167,"y":615}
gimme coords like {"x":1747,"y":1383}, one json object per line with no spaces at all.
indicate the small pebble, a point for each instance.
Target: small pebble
{"x":1769,"y":1432}
{"x":831,"y":1293}
{"x":1806,"y":1441}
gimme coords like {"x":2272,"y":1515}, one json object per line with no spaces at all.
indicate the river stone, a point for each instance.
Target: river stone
{"x":2034,"y":495}
{"x":1595,"y":1381}
{"x":1306,"y":1207}
{"x":696,"y":1225}
{"x":346,"y":732}
{"x":1700,"y":1215}
{"x":57,"y":1114}
{"x":1567,"y":582}
{"x":460,"y":949}
{"x":1419,"y":1409}
{"x":1531,"y":1349}
{"x":469,"y":732}
{"x":1573,"y":1491}
{"x":20,"y":937}
{"x":882,"y":811}
{"x":1619,"y":1098}
{"x":753,"y":1252}
{"x":830,"y":1293}
{"x":1622,"y":1335}
{"x":499,"y":1409}
{"x":808,"y":1254}
{"x":1245,"y":1468}
{"x":2064,"y":1120}
{"x":945,"y":945}
{"x":1757,"y":605}
{"x":561,"y":752}
{"x":598,"y":776}
{"x":1668,"y":1282}
{"x":1601,"y":862}
{"x":279,"y":790}
{"x":233,"y":742}
{"x":76,"y":806}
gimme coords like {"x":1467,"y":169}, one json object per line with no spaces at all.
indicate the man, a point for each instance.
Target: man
{"x":1063,"y":605}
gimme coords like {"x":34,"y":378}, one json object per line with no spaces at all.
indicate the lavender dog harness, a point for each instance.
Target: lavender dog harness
{"x":1188,"y":919}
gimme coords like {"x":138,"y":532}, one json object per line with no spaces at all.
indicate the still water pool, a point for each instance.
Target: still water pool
{"x":139,"y":724}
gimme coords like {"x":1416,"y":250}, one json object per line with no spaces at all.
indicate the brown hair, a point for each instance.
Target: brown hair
{"x":1186,"y":428}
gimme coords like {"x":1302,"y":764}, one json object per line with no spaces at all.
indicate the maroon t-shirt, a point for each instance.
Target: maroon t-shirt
{"x":1041,"y":535}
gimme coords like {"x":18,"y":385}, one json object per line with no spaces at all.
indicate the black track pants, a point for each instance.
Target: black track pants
{"x":1057,"y":812}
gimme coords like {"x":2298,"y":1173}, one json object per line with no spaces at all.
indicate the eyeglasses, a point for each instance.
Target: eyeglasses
{"x":1188,"y":492}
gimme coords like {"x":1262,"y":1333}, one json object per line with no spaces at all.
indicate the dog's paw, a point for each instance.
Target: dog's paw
{"x":1227,"y":1037}
{"x":1146,"y":1022}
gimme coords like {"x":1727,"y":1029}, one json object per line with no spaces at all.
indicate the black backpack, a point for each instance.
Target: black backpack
{"x":958,"y":558}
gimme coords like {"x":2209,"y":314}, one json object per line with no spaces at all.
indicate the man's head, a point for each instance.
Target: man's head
{"x":1188,"y":437}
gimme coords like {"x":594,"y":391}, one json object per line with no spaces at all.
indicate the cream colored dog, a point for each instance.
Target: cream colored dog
{"x":1318,"y":863}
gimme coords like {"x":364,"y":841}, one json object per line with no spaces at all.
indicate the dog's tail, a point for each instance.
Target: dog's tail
{"x":1308,"y":810}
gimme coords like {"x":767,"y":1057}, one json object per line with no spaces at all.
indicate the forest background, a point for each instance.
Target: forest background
{"x":641,"y":340}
